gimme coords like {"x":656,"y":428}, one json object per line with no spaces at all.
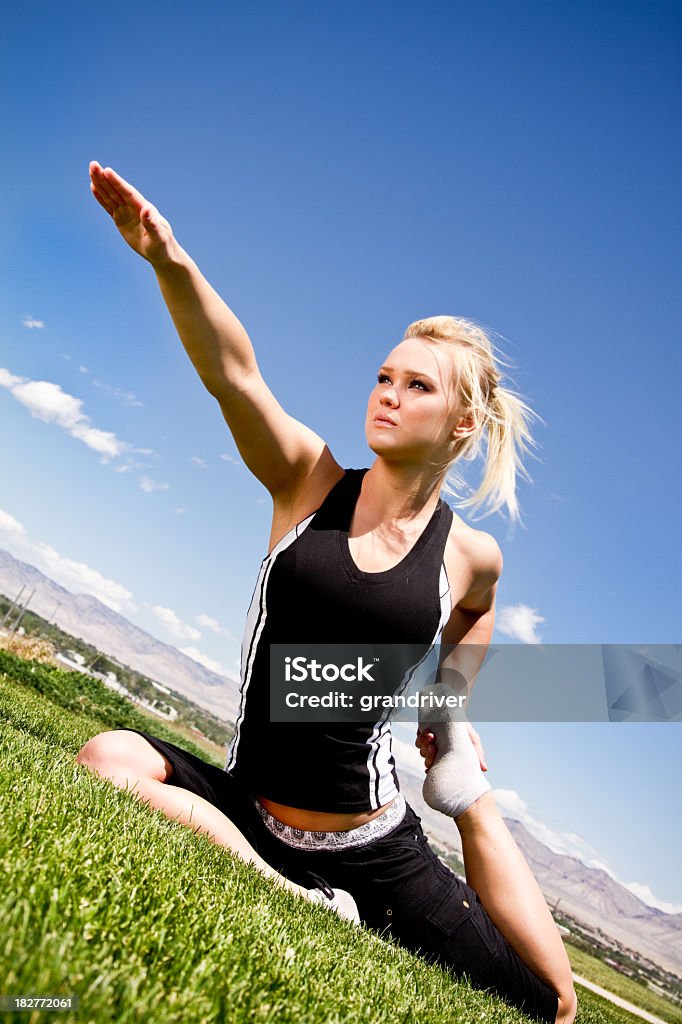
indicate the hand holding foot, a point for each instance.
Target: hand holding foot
{"x":454,"y":778}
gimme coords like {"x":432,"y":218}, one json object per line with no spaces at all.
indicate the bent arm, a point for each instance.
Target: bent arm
{"x":466,"y":637}
{"x":467,"y":633}
{"x":464,"y":645}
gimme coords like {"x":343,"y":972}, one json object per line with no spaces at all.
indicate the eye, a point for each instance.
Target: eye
{"x":382,"y":377}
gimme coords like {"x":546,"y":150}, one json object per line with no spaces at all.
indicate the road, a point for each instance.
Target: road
{"x":623,"y":1003}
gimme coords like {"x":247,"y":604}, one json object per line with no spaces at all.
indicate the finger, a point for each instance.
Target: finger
{"x":151,"y":220}
{"x":123,"y":188}
{"x":102,"y":202}
{"x":114,"y":197}
{"x":104,"y":189}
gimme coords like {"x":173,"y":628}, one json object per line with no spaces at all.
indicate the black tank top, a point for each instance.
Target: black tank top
{"x":309,"y":590}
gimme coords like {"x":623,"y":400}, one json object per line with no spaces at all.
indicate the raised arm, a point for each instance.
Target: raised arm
{"x":281,"y":452}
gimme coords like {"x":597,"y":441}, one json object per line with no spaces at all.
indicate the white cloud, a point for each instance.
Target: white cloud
{"x":174,"y":624}
{"x":83,"y":369}
{"x":148,"y":485}
{"x":127,"y":397}
{"x":146,"y":451}
{"x":198,"y":462}
{"x":9,"y":525}
{"x":46,"y":401}
{"x":571,"y":844}
{"x":512,"y":805}
{"x":179,"y":511}
{"x":31,"y":323}
{"x":75,"y":576}
{"x":519,"y":621}
{"x":568,"y":843}
{"x":230,"y":458}
{"x":644,"y":893}
{"x":203,"y":659}
{"x":8,"y":380}
{"x":208,"y":623}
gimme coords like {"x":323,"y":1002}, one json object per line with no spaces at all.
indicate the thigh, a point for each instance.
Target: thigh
{"x":214,"y":784}
{"x":456,"y":931}
{"x":404,"y":891}
{"x":221,"y":789}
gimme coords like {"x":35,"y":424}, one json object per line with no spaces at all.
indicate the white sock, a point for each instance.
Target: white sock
{"x":455,"y":780}
{"x":340,"y":901}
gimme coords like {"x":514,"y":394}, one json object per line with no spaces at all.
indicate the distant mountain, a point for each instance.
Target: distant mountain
{"x":595,"y":898}
{"x":588,"y":894}
{"x":86,"y":617}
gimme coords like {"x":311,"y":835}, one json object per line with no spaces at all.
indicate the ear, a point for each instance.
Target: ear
{"x":465,"y":426}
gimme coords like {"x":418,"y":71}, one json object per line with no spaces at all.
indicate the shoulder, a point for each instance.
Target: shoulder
{"x":474,"y":564}
{"x":295,"y":505}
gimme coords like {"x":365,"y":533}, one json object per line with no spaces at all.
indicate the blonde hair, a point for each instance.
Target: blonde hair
{"x":500,"y":414}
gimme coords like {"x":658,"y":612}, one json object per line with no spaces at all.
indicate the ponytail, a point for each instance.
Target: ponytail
{"x":502,"y":417}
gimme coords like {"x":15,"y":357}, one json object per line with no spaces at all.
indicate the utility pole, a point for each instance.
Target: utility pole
{"x":13,"y":629}
{"x":11,"y":607}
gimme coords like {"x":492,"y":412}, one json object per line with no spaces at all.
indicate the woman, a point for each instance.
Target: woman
{"x":377,"y":552}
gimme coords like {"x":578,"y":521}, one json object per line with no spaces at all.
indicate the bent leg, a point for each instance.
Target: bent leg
{"x":129,"y":761}
{"x":404,"y":891}
{"x":507,"y":889}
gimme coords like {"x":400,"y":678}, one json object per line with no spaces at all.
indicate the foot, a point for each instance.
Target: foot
{"x":340,"y":901}
{"x":455,"y":780}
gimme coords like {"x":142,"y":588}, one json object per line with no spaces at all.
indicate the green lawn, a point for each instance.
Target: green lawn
{"x":635,"y":992}
{"x":145,"y":921}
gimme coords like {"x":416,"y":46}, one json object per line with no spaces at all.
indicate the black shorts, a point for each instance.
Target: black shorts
{"x":402,"y":889}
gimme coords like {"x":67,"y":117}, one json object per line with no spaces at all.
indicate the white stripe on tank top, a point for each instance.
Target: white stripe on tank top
{"x":380,"y":761}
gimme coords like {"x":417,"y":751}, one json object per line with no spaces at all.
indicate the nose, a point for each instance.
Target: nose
{"x":389,"y":397}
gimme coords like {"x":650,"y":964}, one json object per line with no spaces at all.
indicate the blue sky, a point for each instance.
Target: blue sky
{"x":337,"y":172}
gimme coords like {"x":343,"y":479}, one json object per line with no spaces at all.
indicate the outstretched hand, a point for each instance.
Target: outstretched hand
{"x":426,"y":741}
{"x":140,"y":223}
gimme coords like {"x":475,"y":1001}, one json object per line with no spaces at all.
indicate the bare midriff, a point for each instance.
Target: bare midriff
{"x":319,"y":821}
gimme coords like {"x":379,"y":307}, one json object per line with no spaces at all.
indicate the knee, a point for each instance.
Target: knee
{"x":99,"y":750}
{"x":120,"y":753}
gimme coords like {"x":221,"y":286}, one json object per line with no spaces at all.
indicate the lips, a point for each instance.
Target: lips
{"x":385,"y":419}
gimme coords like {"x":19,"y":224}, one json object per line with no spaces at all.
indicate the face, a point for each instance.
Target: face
{"x":411,"y":411}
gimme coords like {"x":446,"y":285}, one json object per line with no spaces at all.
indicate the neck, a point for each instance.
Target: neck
{"x":399,"y":495}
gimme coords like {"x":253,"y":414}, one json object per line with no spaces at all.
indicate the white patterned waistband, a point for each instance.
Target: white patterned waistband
{"x":360,"y":836}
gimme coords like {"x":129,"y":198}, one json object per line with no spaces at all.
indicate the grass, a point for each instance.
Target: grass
{"x":596,"y":970}
{"x":145,"y":921}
